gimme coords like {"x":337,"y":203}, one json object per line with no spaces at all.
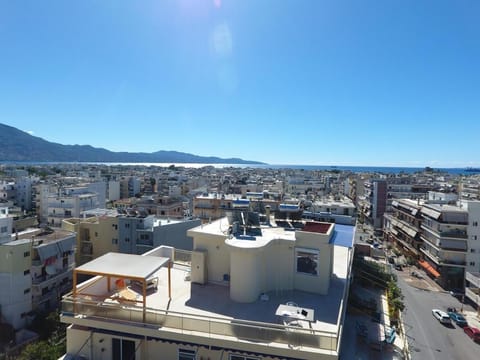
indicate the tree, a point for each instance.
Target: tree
{"x":42,"y":350}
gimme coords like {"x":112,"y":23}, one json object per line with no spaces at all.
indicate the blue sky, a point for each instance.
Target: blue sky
{"x":392,"y":83}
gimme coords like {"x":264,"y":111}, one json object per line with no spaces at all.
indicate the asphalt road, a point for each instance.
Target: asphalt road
{"x":428,"y":339}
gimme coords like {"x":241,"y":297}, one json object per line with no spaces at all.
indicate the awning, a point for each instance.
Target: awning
{"x":46,"y":251}
{"x":67,"y":244}
{"x":428,"y":268}
{"x":430,"y":212}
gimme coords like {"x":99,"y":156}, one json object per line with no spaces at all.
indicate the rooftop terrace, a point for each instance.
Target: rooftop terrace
{"x":207,"y":310}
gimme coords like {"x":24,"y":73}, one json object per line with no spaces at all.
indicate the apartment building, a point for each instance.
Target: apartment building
{"x":250,"y":293}
{"x":340,"y":210}
{"x":96,"y":233}
{"x":139,"y":233}
{"x":374,"y":203}
{"x":403,"y":227}
{"x":35,"y":271}
{"x":212,"y":206}
{"x":24,"y":192}
{"x":130,"y":187}
{"x":445,"y":243}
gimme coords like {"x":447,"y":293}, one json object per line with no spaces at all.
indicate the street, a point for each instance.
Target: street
{"x":427,"y":338}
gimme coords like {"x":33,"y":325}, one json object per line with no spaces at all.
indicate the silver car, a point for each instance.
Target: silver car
{"x":441,"y":316}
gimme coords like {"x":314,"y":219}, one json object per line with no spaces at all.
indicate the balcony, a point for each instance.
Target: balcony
{"x":473,"y":294}
{"x":208,"y":326}
{"x":46,"y":280}
{"x":442,"y":261}
{"x":461,"y":234}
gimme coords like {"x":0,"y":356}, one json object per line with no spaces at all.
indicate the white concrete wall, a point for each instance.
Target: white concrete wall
{"x":218,"y":255}
{"x":473,"y":242}
{"x":13,"y":300}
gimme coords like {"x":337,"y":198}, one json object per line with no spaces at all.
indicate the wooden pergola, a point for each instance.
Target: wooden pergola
{"x":125,"y":267}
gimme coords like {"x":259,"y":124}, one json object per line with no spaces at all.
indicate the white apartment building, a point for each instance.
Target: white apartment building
{"x":36,"y":269}
{"x":68,"y":206}
{"x":250,"y":293}
{"x":6,"y":225}
{"x":113,"y":190}
{"x":23,"y":196}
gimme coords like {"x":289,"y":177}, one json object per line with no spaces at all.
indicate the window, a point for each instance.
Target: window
{"x":26,"y":254}
{"x":472,"y":263}
{"x":241,"y":357}
{"x":123,"y":349}
{"x":3,"y":229}
{"x":114,"y":241}
{"x":474,"y":237}
{"x":475,"y":223}
{"x":26,"y":291}
{"x":185,"y":354}
{"x":26,"y":272}
{"x":306,"y":261}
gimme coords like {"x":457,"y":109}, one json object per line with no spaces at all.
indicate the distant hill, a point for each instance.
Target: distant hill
{"x":17,"y":145}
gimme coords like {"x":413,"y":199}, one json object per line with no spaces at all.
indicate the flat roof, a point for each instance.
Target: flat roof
{"x":213,"y":299}
{"x":343,"y":235}
{"x":124,"y":265}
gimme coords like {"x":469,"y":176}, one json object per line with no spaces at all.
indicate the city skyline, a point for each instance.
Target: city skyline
{"x":294,"y":82}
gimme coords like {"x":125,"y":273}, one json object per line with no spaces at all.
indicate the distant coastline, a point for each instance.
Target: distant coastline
{"x":355,"y":169}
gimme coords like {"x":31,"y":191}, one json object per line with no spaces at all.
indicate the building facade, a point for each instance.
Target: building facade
{"x":277,"y":294}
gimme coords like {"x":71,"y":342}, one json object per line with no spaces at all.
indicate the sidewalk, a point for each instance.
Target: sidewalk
{"x":372,"y":344}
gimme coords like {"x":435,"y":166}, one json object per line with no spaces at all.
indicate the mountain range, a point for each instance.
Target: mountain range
{"x":17,"y":145}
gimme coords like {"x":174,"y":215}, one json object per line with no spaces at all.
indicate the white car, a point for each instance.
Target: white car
{"x":441,"y":316}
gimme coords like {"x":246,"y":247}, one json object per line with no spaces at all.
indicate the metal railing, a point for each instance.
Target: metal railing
{"x":209,"y":326}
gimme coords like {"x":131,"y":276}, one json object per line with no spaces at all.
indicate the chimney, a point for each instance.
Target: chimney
{"x":267,"y":213}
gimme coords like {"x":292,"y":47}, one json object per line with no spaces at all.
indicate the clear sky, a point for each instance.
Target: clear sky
{"x":392,"y":83}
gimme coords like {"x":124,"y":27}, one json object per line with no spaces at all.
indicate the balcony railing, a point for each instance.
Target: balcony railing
{"x":454,"y":234}
{"x":473,"y":296}
{"x":47,"y":279}
{"x":209,"y":326}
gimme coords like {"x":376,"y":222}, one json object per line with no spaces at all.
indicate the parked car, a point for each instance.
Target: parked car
{"x":457,"y":318}
{"x":473,"y":332}
{"x":441,"y":316}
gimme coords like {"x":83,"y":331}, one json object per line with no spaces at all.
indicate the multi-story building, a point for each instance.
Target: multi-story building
{"x":139,"y":233}
{"x":165,"y":206}
{"x":249,"y":294}
{"x":96,"y":233}
{"x":6,"y":225}
{"x":68,"y":206}
{"x":129,"y":187}
{"x":23,"y":194}
{"x":113,"y":190}
{"x":7,"y":191}
{"x":472,"y":288}
{"x":212,"y":206}
{"x":402,"y":226}
{"x":35,"y":271}
{"x":445,"y":243}
{"x":340,"y":210}
{"x":374,"y":203}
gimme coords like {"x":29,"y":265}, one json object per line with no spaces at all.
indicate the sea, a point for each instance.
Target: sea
{"x":355,"y":169}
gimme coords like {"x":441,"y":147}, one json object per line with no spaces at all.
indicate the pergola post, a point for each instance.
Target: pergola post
{"x":169,"y":281}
